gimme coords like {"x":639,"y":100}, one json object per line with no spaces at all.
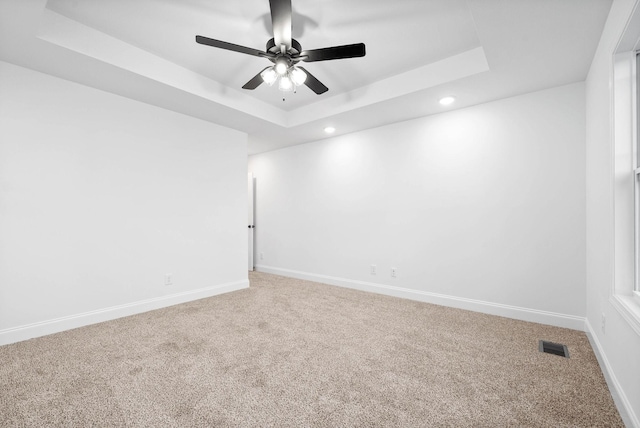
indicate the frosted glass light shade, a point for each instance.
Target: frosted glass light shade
{"x":281,"y":67}
{"x":269,"y":76}
{"x":285,"y":84}
{"x":298,"y":76}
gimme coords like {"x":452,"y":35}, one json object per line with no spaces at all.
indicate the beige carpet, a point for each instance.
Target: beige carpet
{"x":293,"y":353}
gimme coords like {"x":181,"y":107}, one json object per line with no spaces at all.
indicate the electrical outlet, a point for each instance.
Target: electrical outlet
{"x":261,"y":256}
{"x":603,"y":322}
{"x":168,"y":279}
{"x":373,"y":269}
{"x":394,"y":272}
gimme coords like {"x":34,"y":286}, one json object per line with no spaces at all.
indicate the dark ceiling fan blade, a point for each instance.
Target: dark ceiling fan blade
{"x":229,"y":46}
{"x":314,"y":84}
{"x":255,"y":82}
{"x":281,"y":22}
{"x":335,"y":52}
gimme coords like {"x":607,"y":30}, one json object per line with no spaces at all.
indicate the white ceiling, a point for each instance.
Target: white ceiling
{"x":417,"y":51}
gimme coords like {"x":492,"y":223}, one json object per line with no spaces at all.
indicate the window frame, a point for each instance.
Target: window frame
{"x":635,"y":90}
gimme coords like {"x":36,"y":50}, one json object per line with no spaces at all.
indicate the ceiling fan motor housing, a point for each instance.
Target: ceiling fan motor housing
{"x":293,"y":51}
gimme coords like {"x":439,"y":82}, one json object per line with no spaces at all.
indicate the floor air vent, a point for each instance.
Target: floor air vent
{"x":553,"y":348}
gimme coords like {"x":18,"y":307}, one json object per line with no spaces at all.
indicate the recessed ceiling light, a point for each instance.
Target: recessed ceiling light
{"x":445,"y":101}
{"x":329,"y":129}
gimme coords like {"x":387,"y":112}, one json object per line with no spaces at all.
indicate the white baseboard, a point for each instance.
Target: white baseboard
{"x":525,"y":314}
{"x":24,"y":332}
{"x":622,"y":402}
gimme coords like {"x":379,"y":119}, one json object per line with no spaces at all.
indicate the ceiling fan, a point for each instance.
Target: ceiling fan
{"x":285,"y":53}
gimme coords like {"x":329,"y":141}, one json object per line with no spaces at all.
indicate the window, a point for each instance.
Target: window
{"x":625,"y":295}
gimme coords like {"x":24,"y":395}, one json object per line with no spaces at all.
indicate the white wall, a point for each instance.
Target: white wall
{"x":101,"y":196}
{"x":618,"y":344}
{"x":482,"y":208}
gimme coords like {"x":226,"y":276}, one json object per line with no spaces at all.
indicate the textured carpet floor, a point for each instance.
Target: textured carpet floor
{"x":293,"y":353}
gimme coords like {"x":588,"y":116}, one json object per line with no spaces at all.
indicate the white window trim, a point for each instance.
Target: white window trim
{"x":635,"y":124}
{"x":624,"y":294}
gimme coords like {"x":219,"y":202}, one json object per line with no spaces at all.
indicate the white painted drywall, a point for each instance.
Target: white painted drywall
{"x":485,"y":203}
{"x":618,"y":343}
{"x":101,"y":196}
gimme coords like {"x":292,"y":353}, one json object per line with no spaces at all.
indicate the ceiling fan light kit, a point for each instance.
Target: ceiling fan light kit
{"x":285,"y":52}
{"x":290,"y":77}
